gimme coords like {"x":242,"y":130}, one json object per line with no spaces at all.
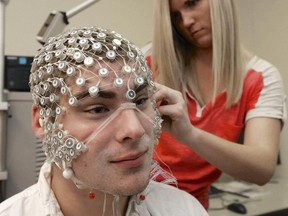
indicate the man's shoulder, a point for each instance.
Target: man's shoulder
{"x":165,"y":191}
{"x":18,"y":201}
{"x":168,"y":199}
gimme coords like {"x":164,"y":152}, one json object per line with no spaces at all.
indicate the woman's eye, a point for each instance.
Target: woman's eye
{"x":191,"y":3}
{"x":175,"y":17}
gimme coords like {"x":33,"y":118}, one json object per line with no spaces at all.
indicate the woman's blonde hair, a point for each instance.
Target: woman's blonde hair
{"x":172,"y":56}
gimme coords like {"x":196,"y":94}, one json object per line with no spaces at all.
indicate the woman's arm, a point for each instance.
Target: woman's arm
{"x":254,"y":161}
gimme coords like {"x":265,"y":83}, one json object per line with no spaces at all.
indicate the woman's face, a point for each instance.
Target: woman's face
{"x":191,"y":19}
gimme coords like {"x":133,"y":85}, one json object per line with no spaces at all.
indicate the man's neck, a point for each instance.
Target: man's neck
{"x":75,"y":202}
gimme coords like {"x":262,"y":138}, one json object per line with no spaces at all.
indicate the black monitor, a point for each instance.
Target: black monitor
{"x":17,"y":71}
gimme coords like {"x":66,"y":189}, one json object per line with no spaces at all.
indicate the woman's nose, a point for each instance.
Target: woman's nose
{"x":129,"y":125}
{"x":187,"y":18}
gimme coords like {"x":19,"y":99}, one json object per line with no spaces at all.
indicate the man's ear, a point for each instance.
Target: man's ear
{"x":36,"y":122}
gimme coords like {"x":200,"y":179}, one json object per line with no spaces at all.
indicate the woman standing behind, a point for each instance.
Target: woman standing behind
{"x":227,"y":91}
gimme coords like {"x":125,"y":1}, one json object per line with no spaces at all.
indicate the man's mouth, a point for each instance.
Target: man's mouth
{"x":131,"y":160}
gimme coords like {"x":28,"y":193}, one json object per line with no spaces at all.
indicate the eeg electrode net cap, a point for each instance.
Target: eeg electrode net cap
{"x":74,"y":55}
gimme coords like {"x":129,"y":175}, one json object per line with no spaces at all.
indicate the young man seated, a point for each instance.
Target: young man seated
{"x":94,"y":110}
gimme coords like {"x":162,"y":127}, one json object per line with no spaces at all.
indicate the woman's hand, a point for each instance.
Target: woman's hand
{"x":173,"y":110}
{"x":261,"y":140}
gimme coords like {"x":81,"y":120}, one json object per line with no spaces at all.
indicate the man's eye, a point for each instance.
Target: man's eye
{"x":98,"y":109}
{"x":141,"y":101}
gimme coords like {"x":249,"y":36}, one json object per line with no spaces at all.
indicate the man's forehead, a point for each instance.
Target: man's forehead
{"x":107,"y":90}
{"x":106,"y":80}
{"x":108,"y":70}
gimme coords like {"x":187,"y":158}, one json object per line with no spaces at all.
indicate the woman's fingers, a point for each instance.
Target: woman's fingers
{"x":167,"y":95}
{"x":173,"y":109}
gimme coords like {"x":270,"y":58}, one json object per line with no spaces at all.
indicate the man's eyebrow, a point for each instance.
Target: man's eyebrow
{"x":106,"y":94}
{"x":141,"y":87}
{"x":101,"y":93}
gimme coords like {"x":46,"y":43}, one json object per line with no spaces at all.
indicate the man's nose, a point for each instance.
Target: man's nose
{"x":129,"y":125}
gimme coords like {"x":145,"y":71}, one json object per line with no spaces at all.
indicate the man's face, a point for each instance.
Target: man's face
{"x":118,"y":159}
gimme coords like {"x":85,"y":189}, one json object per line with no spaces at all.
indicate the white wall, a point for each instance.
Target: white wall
{"x":24,"y":18}
{"x":264,"y":29}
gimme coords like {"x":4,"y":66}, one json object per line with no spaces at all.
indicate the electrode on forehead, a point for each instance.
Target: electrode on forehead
{"x":72,"y":101}
{"x":80,"y":81}
{"x":130,"y":94}
{"x":93,"y":91}
{"x":103,"y":72}
{"x":118,"y":82}
{"x":127,"y":69}
{"x":139,"y":81}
